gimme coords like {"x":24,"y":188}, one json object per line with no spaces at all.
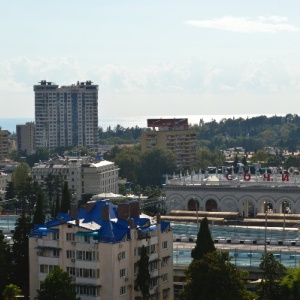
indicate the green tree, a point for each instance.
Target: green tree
{"x":11,"y":291}
{"x":259,"y":156}
{"x":20,"y":254}
{"x":39,"y":216}
{"x":273,"y":273}
{"x":214,"y":277}
{"x":57,"y":285}
{"x":207,"y":158}
{"x":10,"y":190}
{"x":66,"y":199}
{"x":204,"y":243}
{"x":5,"y":259}
{"x":20,"y":176}
{"x":143,"y":276}
{"x":155,"y":163}
{"x":290,"y":284}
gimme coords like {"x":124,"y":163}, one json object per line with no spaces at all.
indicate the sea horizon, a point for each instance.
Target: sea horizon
{"x":139,"y":121}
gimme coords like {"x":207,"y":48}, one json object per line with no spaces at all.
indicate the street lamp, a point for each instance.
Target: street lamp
{"x":266,"y":225}
{"x":266,"y":207}
{"x":196,"y":205}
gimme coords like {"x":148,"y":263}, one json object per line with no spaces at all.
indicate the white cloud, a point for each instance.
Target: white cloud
{"x":271,"y":24}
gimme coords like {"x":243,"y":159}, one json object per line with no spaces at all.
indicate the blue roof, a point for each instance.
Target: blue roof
{"x":111,"y":231}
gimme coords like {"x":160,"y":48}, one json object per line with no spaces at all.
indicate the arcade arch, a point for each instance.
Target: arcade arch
{"x":193,"y":204}
{"x":247,"y":207}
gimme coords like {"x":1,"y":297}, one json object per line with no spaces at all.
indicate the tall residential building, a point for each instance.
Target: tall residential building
{"x":99,"y":247}
{"x":174,"y":135}
{"x":4,"y":145}
{"x":25,"y":138}
{"x":66,"y":116}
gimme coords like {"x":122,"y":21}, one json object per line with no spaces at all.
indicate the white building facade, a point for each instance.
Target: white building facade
{"x":66,"y":116}
{"x":83,"y":176}
{"x":99,"y":247}
{"x":246,"y":194}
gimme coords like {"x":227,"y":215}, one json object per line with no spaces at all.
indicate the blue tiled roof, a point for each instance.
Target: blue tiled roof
{"x":111,"y":231}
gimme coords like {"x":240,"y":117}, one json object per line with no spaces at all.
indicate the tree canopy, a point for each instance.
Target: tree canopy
{"x":273,"y":273}
{"x":214,"y":277}
{"x":57,"y":286}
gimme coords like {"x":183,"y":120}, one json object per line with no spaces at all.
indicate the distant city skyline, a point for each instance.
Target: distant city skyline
{"x":154,"y":58}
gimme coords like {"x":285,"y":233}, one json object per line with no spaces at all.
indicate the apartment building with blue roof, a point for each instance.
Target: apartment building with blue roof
{"x":99,"y":247}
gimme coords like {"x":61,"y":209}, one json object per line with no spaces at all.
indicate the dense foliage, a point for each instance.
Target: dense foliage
{"x":251,"y":133}
{"x":214,"y":277}
{"x":57,"y":286}
{"x":273,"y":273}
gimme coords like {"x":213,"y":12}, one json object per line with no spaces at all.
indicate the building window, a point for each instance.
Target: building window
{"x":164,"y":261}
{"x":123,"y":290}
{"x":165,"y":277}
{"x":70,"y":236}
{"x":122,"y":255}
{"x":70,"y":254}
{"x":165,"y":245}
{"x":122,"y":273}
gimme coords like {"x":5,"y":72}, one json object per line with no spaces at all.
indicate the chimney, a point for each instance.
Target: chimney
{"x":77,"y":222}
{"x":124,"y":211}
{"x":73,"y":211}
{"x":89,"y":206}
{"x":105,"y":212}
{"x":134,"y":209}
{"x":131,"y":223}
{"x":158,"y":219}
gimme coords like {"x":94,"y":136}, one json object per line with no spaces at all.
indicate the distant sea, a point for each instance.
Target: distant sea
{"x":140,"y":121}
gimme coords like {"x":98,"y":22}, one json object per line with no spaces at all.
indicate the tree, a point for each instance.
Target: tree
{"x":39,"y":216}
{"x":155,"y":163}
{"x":273,"y":273}
{"x":66,"y":199}
{"x":204,"y":243}
{"x":56,"y":286}
{"x":11,"y":291}
{"x":207,"y":158}
{"x":20,"y":176}
{"x":20,"y":252}
{"x":143,"y":276}
{"x":290,"y":284}
{"x":5,"y":259}
{"x":214,"y":277}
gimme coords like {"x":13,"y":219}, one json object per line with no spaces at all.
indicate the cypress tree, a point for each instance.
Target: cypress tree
{"x":204,"y":243}
{"x":39,"y":216}
{"x":143,"y":277}
{"x":66,"y":199}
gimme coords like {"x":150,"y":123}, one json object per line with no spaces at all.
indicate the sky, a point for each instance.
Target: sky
{"x":159,"y":57}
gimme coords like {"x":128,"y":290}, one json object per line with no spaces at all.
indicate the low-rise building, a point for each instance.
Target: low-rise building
{"x":99,"y":247}
{"x":83,"y":176}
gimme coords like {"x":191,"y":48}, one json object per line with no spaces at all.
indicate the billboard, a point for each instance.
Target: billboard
{"x":167,"y":122}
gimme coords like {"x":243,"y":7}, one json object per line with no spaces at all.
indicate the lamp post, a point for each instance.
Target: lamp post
{"x":266,"y":225}
{"x":196,"y":205}
{"x":284,"y":211}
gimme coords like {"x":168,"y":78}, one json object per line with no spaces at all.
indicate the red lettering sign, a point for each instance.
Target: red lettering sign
{"x":285,"y":177}
{"x":228,"y":176}
{"x":247,"y":177}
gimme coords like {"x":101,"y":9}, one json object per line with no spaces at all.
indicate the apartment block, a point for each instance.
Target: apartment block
{"x":26,"y":138}
{"x":4,"y":144}
{"x":99,"y":247}
{"x":83,"y":175}
{"x":66,"y":116}
{"x":174,"y":135}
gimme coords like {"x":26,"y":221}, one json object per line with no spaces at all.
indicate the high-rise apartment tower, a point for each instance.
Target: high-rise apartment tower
{"x":66,"y":116}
